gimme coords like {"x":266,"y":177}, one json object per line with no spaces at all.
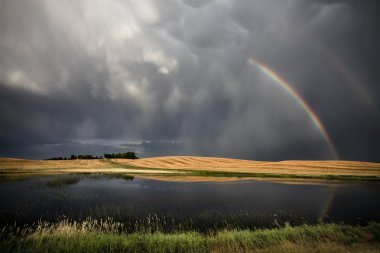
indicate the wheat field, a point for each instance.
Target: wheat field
{"x":249,"y":166}
{"x":12,"y":167}
{"x":187,"y":168}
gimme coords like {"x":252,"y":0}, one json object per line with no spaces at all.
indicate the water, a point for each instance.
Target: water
{"x":195,"y":205}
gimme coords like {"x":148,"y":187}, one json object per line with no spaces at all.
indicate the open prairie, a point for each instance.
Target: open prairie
{"x":192,"y":168}
{"x":249,"y":166}
{"x":15,"y":168}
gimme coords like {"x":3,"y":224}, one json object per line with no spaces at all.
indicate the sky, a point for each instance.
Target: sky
{"x":252,"y":79}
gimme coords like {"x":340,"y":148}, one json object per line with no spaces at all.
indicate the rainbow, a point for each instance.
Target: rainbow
{"x":326,"y":207}
{"x":297,"y":97}
{"x":350,"y":80}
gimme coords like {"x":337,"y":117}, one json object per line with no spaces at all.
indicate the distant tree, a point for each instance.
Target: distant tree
{"x":73,"y":157}
{"x":130,"y":155}
{"x":56,"y":158}
{"x":127,"y":155}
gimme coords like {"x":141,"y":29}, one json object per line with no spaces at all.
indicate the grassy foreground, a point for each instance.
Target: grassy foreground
{"x":107,"y":236}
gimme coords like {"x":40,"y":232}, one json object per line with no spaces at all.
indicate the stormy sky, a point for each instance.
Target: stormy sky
{"x":174,"y":77}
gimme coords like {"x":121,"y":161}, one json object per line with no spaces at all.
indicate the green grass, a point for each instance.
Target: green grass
{"x":108,"y":236}
{"x":290,"y":176}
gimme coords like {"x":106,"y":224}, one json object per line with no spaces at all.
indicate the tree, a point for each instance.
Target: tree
{"x":127,"y":155}
{"x":130,"y":155}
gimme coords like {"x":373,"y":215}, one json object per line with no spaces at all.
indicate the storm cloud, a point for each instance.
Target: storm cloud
{"x":174,"y":78}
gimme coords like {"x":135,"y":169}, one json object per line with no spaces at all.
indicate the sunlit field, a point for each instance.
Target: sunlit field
{"x":191,"y":168}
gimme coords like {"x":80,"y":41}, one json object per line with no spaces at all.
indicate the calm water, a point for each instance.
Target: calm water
{"x":243,"y":203}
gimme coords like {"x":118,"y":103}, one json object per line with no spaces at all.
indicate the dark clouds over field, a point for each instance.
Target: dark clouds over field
{"x":172,"y":77}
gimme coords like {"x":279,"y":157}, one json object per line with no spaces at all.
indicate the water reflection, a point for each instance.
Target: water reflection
{"x":202,"y":205}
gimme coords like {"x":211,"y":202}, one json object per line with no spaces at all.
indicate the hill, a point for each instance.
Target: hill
{"x":250,"y":166}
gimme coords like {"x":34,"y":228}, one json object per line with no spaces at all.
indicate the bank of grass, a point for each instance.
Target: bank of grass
{"x":248,"y":175}
{"x":108,"y":236}
{"x":206,"y":173}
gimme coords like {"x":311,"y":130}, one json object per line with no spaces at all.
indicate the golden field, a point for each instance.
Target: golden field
{"x":11,"y":167}
{"x":249,"y":166}
{"x":190,"y":168}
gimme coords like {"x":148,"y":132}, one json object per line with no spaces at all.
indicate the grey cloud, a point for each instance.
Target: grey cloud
{"x":174,"y":76}
{"x":197,"y":3}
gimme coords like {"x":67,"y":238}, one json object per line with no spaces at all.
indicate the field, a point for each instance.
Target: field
{"x":249,"y":166}
{"x":19,"y":168}
{"x":191,"y":168}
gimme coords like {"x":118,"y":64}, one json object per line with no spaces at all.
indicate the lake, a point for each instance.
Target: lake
{"x":186,"y":205}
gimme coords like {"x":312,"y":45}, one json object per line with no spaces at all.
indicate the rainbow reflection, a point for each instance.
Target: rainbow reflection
{"x":324,"y":214}
{"x":297,"y":97}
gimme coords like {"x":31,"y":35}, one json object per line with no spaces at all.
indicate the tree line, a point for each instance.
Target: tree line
{"x":127,"y":155}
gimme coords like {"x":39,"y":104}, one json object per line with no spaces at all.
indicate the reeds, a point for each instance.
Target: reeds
{"x":107,"y":236}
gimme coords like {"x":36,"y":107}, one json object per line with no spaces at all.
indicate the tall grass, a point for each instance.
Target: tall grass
{"x":109,"y":236}
{"x":207,"y":221}
{"x":168,"y":221}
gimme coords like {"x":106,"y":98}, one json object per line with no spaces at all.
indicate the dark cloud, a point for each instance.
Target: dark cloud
{"x":174,"y":78}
